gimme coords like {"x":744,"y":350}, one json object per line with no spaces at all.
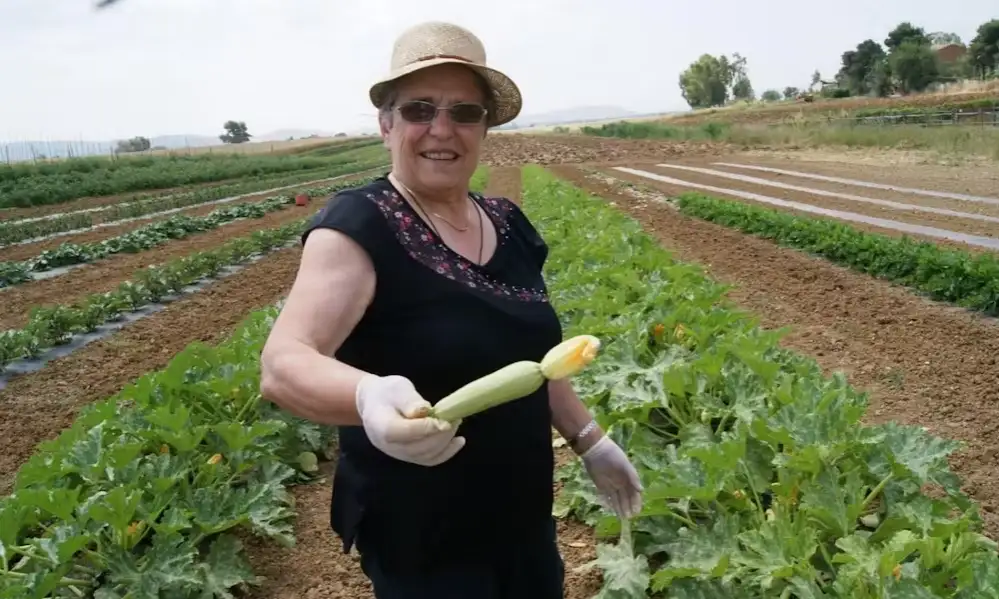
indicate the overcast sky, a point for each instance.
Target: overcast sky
{"x":155,"y":67}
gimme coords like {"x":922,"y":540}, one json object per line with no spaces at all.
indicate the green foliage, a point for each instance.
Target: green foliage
{"x":955,"y":276}
{"x":236,"y":132}
{"x":984,"y":49}
{"x":914,"y":66}
{"x":906,"y":32}
{"x":761,"y":482}
{"x":136,"y":144}
{"x":54,"y":325}
{"x":709,"y":80}
{"x":23,"y":185}
{"x":144,"y":495}
{"x":771,"y":95}
{"x":859,"y":70}
{"x":654,"y":130}
{"x":143,"y":238}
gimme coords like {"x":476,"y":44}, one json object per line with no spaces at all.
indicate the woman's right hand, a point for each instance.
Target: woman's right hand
{"x":393,"y":414}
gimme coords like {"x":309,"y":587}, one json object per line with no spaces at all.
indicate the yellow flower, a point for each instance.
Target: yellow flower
{"x":215,"y":459}
{"x":569,"y":357}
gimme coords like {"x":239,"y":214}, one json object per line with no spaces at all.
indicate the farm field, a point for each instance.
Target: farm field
{"x":778,"y":470}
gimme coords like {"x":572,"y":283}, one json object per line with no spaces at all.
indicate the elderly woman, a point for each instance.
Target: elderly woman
{"x":410,"y":287}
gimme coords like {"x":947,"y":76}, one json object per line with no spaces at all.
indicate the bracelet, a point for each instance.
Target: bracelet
{"x":592,"y":424}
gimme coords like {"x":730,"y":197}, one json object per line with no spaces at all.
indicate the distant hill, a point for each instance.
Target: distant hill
{"x":571,"y":115}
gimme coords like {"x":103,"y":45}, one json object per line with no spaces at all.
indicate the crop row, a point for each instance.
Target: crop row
{"x":20,"y":230}
{"x":143,"y":238}
{"x":55,"y":325}
{"x":143,"y":496}
{"x":32,"y":185}
{"x":951,"y":275}
{"x":760,"y":479}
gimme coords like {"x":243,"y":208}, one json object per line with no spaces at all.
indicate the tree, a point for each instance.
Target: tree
{"x":236,"y":133}
{"x":136,"y":144}
{"x":771,"y":95}
{"x":859,"y":67}
{"x":984,"y":49}
{"x":914,"y":66}
{"x":742,"y":89}
{"x":904,"y":32}
{"x":705,"y":82}
{"x":791,"y":92}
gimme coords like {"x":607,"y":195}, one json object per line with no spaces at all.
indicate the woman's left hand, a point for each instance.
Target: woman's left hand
{"x":616,"y":479}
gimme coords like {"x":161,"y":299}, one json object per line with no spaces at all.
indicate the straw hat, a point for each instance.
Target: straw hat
{"x":433,"y":43}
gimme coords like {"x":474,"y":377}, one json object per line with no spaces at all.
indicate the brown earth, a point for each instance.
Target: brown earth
{"x":670,"y":190}
{"x":514,"y":150}
{"x":317,"y":568}
{"x":38,"y":405}
{"x":951,"y":223}
{"x":923,"y":363}
{"x":887,"y":167}
{"x":105,"y":275}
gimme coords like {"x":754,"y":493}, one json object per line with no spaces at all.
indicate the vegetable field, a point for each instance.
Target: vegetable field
{"x":809,"y":397}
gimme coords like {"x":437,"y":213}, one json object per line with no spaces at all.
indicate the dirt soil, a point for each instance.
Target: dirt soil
{"x":889,"y":167}
{"x":38,"y":405}
{"x":514,"y":150}
{"x":670,"y":190}
{"x":951,"y":223}
{"x":317,"y":568}
{"x":105,"y":275}
{"x":922,"y":362}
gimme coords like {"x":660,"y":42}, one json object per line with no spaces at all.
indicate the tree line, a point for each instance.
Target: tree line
{"x":909,"y":60}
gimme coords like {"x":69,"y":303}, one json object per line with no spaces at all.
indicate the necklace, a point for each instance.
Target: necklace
{"x":478,"y":212}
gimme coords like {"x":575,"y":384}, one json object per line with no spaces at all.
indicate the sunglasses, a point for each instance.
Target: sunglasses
{"x":462,"y":113}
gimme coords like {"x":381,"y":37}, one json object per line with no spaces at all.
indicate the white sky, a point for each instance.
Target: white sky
{"x":156,"y":67}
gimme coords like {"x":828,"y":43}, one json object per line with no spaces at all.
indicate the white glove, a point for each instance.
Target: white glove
{"x":615,"y":478}
{"x":392,"y":412}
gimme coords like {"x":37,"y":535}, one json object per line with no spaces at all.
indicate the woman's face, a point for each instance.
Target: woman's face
{"x":440,"y":155}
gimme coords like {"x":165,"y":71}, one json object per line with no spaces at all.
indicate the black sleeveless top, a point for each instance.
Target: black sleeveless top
{"x":443,"y":321}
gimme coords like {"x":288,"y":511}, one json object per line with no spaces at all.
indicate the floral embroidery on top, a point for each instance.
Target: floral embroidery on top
{"x":423,"y":245}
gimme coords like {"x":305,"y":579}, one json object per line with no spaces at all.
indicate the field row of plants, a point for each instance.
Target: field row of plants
{"x":51,"y":183}
{"x":760,"y":479}
{"x":141,"y":498}
{"x":950,"y":275}
{"x":143,"y":238}
{"x":14,"y":231}
{"x":50,"y":326}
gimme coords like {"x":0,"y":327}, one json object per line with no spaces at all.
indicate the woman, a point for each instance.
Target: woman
{"x":418,"y":286}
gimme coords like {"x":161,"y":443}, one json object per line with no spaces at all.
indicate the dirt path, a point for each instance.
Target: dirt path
{"x":37,"y":406}
{"x":105,"y":275}
{"x":504,"y":181}
{"x":316,"y":568}
{"x":922,"y":362}
{"x":672,"y":190}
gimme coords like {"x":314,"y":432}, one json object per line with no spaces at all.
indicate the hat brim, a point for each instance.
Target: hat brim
{"x":507,"y":99}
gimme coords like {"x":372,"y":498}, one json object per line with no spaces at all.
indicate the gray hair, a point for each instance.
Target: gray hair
{"x":386,"y":110}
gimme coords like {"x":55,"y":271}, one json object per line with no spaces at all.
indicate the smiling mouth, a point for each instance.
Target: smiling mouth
{"x":442,"y":156}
